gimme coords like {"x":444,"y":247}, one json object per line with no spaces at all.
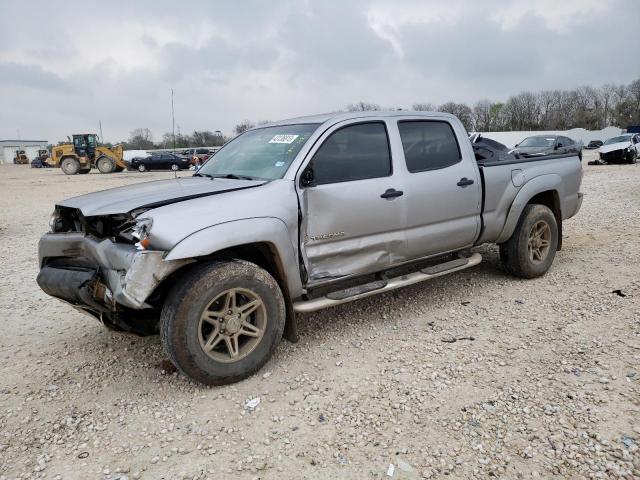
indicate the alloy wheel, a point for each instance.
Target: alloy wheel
{"x":539,"y":242}
{"x":232,"y":325}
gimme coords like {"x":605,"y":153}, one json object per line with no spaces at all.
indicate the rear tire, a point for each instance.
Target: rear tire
{"x":222,"y":321}
{"x":70,"y":165}
{"x":175,"y":167}
{"x":106,"y":165}
{"x":531,"y":249}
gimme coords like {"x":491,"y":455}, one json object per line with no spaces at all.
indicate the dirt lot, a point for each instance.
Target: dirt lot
{"x":549,"y":385}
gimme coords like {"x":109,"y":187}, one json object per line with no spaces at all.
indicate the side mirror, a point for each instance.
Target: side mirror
{"x":307,"y":180}
{"x":558,"y":146}
{"x":516,"y":145}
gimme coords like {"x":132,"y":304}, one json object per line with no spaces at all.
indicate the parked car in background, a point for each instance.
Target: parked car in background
{"x":160,"y":161}
{"x":624,"y":148}
{"x":201,"y":153}
{"x":538,"y":145}
{"x":593,"y":144}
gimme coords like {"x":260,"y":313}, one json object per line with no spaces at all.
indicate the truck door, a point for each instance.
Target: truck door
{"x":352,"y":203}
{"x":442,"y":188}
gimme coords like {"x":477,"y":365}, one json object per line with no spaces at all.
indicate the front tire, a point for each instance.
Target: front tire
{"x":142,"y":167}
{"x":106,"y":165}
{"x":70,"y":165}
{"x":223,"y":321}
{"x":531,"y":249}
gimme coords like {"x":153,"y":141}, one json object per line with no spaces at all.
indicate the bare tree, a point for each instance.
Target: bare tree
{"x":424,"y":107}
{"x":140,"y":139}
{"x":243,"y":127}
{"x":482,"y":116}
{"x":460,"y":110}
{"x":362,"y":107}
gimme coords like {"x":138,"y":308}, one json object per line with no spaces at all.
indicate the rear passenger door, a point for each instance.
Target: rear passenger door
{"x":353,"y":210}
{"x":443,"y":191}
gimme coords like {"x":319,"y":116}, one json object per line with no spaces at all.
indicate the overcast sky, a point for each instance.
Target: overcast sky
{"x":66,"y":65}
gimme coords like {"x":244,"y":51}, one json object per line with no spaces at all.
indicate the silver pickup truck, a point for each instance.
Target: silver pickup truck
{"x":296,"y":216}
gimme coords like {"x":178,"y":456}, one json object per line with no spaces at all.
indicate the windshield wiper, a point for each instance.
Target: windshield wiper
{"x":232,"y":176}
{"x":203,"y":175}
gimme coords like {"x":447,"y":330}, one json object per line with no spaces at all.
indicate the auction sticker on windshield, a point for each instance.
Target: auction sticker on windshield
{"x":283,"y":138}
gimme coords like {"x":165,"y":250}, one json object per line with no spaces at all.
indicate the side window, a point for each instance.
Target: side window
{"x":201,"y":151}
{"x":352,"y":153}
{"x":428,"y":145}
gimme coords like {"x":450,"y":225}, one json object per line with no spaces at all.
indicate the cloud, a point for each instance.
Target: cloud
{"x":30,"y":76}
{"x":270,"y":60}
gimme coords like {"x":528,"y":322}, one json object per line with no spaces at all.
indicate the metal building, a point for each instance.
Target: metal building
{"x":8,"y":149}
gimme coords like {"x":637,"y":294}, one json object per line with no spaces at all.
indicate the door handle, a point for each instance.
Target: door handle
{"x":392,"y":193}
{"x":464,"y":181}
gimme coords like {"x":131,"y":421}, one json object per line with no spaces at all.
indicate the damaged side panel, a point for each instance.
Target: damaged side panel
{"x":342,"y":235}
{"x":146,"y":272}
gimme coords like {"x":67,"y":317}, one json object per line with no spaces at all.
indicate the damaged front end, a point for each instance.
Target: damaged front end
{"x":106,"y":267}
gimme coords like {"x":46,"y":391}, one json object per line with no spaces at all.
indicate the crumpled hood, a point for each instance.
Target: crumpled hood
{"x":153,"y":194}
{"x":614,"y":146}
{"x":534,"y":150}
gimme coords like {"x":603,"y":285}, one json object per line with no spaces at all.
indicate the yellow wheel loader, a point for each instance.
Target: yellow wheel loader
{"x":84,"y":153}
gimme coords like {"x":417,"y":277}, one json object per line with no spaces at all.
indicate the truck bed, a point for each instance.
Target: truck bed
{"x":503,"y":180}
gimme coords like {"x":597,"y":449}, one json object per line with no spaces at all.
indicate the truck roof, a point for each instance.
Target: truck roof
{"x":335,"y":117}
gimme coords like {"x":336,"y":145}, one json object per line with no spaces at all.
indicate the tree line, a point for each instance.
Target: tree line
{"x":587,"y":107}
{"x":592,"y":108}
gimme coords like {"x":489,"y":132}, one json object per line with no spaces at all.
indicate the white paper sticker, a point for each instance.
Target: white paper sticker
{"x":279,"y":164}
{"x":283,"y":138}
{"x":391,"y":470}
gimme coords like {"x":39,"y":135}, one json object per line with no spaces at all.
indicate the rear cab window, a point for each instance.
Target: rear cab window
{"x":354,"y":152}
{"x":428,"y":145}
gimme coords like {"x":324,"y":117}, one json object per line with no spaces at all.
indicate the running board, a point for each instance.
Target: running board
{"x":373,"y":288}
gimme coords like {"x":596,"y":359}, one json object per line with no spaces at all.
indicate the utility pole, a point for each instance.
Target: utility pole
{"x":173,"y":123}
{"x":100,"y":126}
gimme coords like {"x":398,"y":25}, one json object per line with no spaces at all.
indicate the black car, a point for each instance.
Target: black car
{"x":160,"y":161}
{"x":538,"y":145}
{"x":593,"y":144}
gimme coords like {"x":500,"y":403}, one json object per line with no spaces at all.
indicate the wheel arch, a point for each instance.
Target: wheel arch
{"x":543,"y":190}
{"x":264,"y":241}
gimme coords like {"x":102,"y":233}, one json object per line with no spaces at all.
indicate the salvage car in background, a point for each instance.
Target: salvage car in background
{"x":593,"y":144}
{"x":201,"y":153}
{"x":160,"y":161}
{"x":624,"y":148}
{"x":538,"y":145}
{"x":219,"y":263}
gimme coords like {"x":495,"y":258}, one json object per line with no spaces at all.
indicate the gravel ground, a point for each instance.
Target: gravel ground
{"x":545,"y":384}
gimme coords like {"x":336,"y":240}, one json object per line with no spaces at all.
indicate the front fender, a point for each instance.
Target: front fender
{"x":536,"y":185}
{"x":268,"y":230}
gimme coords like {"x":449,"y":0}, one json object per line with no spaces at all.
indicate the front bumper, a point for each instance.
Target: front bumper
{"x":99,"y":274}
{"x":616,"y":156}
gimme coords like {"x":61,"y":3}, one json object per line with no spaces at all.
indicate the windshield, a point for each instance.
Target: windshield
{"x":264,"y":153}
{"x":537,"y":142}
{"x":621,"y":138}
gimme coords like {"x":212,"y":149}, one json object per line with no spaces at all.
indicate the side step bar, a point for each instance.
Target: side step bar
{"x":373,"y":288}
